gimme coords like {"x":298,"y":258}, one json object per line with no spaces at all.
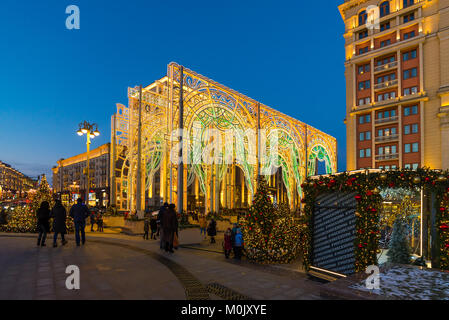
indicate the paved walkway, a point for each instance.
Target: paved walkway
{"x":127,"y":267}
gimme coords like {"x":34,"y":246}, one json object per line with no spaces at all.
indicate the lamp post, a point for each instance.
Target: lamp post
{"x":91,"y":131}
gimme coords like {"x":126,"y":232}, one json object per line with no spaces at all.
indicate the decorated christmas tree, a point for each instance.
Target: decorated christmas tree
{"x":22,"y":219}
{"x":270,"y":232}
{"x":399,"y":250}
{"x":43,"y":194}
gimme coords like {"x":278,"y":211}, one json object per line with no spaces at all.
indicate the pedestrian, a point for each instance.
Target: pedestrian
{"x":160,"y":215}
{"x":203,"y":225}
{"x":59,"y":215}
{"x":146,"y":229}
{"x":238,"y":244}
{"x":169,"y":224}
{"x":153,"y":227}
{"x":79,"y":212}
{"x":100,"y":222}
{"x":43,"y":224}
{"x":92,"y":220}
{"x":3,"y":217}
{"x":227,"y":244}
{"x":212,"y":230}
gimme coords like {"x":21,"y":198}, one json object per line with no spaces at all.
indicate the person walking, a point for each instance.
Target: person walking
{"x":203,"y":224}
{"x":212,"y":230}
{"x":169,"y":227}
{"x":43,"y":224}
{"x":227,"y":244}
{"x":146,"y":229}
{"x":160,"y":216}
{"x":3,"y":218}
{"x":59,"y":215}
{"x":92,"y":220}
{"x":100,"y":222}
{"x":238,"y":244}
{"x":79,"y":212}
{"x":153,"y":227}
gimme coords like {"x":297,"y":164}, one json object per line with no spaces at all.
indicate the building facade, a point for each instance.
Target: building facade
{"x":145,"y":142}
{"x":13,"y":183}
{"x":397,"y":83}
{"x":70,"y":177}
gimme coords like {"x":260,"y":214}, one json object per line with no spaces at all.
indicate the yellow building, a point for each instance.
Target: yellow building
{"x":397,"y":76}
{"x":70,"y":179}
{"x":13,"y":183}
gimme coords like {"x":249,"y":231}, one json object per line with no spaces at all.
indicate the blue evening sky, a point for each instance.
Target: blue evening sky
{"x":287,"y":54}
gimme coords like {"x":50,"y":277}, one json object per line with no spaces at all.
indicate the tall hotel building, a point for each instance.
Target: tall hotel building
{"x":397,"y":77}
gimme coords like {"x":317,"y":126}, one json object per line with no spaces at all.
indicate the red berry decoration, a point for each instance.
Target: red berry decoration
{"x":444,"y":226}
{"x":358,"y":197}
{"x":442,"y":209}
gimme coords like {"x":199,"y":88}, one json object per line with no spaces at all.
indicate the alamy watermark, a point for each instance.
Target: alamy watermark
{"x":73,"y":20}
{"x":373,"y":17}
{"x":73,"y":280}
{"x":373,"y":281}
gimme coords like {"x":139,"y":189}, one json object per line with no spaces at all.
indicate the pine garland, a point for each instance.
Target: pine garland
{"x":369,"y":203}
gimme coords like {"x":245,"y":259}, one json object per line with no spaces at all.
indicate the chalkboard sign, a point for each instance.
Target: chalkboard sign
{"x":334,"y":233}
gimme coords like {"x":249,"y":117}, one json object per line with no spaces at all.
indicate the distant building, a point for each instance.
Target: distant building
{"x":397,"y":84}
{"x":70,"y":181}
{"x":13,"y":182}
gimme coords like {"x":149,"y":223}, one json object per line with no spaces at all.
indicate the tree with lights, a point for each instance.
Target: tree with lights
{"x":399,"y":250}
{"x":270,"y":232}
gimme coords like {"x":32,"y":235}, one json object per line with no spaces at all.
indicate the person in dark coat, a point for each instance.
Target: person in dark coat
{"x":59,"y":215}
{"x":3,"y":217}
{"x":79,"y":212}
{"x":227,"y":244}
{"x":212,"y":230}
{"x":43,"y":224}
{"x":146,"y":229}
{"x":169,"y":224}
{"x":153,"y":227}
{"x":160,"y":215}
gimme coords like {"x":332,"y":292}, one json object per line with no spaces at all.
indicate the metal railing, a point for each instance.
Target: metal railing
{"x":387,"y":138}
{"x":390,"y":156}
{"x":386,"y":66}
{"x":386,"y":84}
{"x":390,"y":119}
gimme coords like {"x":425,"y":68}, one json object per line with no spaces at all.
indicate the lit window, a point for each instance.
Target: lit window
{"x":409,"y":35}
{"x":415,"y":166}
{"x":384,"y":8}
{"x":363,"y":16}
{"x":407,"y":148}
{"x":407,"y":166}
{"x":368,"y":153}
{"x":385,"y":26}
{"x":407,"y":129}
{"x":408,"y":3}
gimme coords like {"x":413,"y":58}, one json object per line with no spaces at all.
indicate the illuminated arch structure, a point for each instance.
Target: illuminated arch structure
{"x":208,"y":105}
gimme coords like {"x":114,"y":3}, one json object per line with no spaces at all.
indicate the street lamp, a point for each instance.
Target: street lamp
{"x":91,"y":131}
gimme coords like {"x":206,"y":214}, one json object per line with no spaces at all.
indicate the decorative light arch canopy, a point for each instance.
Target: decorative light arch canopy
{"x":208,"y":106}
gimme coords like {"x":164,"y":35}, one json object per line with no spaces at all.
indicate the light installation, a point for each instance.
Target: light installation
{"x":144,"y":137}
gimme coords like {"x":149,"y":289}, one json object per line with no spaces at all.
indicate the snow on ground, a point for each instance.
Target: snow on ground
{"x":411,"y":283}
